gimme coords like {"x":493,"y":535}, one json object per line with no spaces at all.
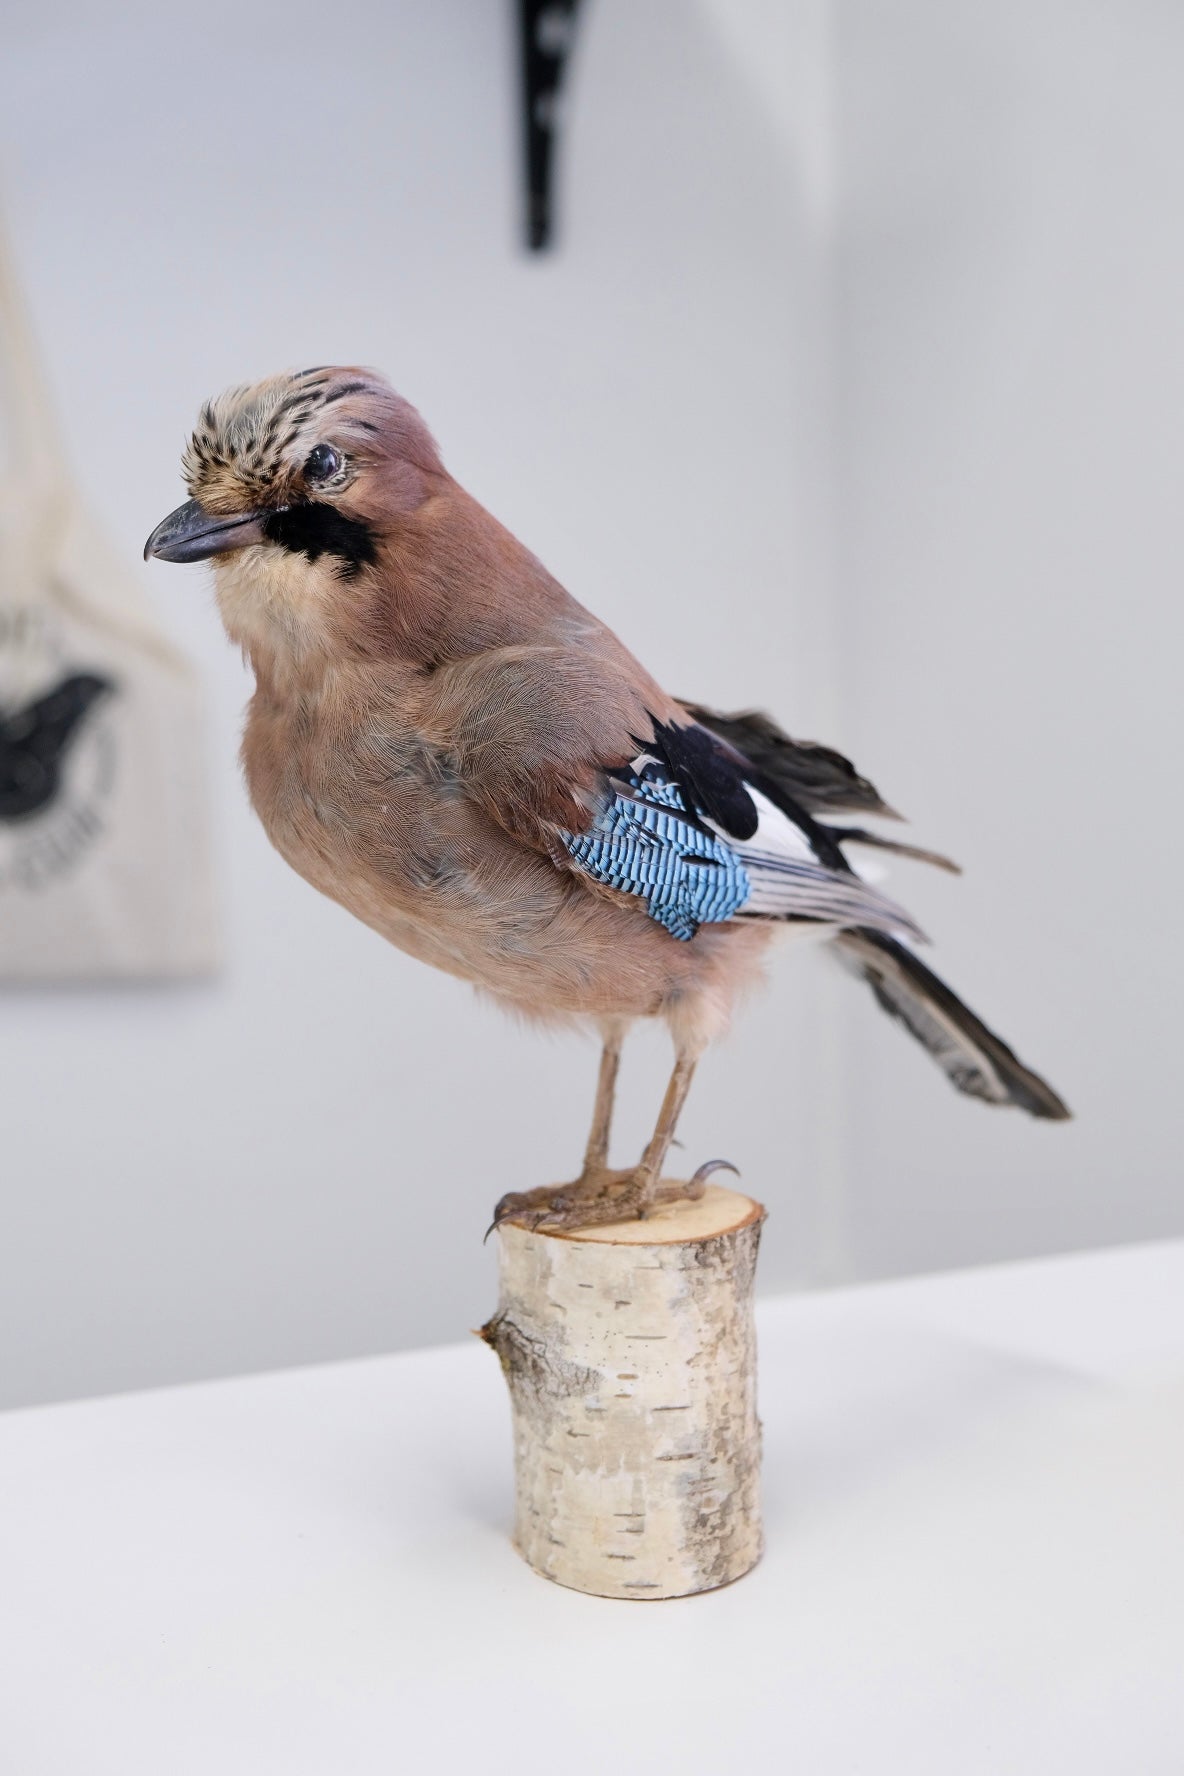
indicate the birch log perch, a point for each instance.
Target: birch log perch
{"x":630,"y":1356}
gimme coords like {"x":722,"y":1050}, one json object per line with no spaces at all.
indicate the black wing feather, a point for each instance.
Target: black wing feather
{"x":816,"y":777}
{"x":711,"y":776}
{"x":973,"y":1058}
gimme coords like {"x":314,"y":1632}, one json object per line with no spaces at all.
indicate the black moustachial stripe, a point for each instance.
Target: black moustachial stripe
{"x":315,"y":529}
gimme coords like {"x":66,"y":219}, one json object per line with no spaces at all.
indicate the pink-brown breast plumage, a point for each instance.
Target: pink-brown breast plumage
{"x":369,"y":809}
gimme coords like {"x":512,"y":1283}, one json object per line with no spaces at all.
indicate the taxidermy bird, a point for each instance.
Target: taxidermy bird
{"x":35,"y":739}
{"x":445,"y":742}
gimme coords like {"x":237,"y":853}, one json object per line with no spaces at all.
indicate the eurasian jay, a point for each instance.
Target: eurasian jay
{"x":445,"y":742}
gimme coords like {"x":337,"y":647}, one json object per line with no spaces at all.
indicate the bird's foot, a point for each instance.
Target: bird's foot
{"x":601,"y":1197}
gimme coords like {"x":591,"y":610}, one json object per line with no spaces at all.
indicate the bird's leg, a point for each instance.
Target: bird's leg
{"x":645,"y":1182}
{"x":596,"y":1152}
{"x":600,"y":1196}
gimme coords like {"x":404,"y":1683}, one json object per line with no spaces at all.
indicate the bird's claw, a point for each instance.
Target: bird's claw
{"x":571,"y":1206}
{"x":698,"y":1180}
{"x":533,"y":1209}
{"x":507,"y":1206}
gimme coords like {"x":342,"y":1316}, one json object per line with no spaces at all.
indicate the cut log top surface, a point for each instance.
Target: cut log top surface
{"x":716,"y":1212}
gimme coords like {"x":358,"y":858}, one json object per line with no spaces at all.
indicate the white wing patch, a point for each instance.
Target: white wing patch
{"x":789,"y":881}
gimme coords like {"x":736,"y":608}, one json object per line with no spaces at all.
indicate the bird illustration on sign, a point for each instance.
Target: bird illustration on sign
{"x":57,"y":751}
{"x":36,"y":738}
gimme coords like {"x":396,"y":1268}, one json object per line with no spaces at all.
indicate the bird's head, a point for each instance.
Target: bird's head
{"x":295,"y":484}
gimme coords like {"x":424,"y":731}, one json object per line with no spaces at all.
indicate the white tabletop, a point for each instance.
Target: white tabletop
{"x":975,"y":1516}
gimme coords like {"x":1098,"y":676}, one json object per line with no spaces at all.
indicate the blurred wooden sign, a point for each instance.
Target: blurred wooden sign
{"x":105,"y":869}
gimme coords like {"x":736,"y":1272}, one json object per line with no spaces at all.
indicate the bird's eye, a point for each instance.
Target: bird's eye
{"x":322,"y":463}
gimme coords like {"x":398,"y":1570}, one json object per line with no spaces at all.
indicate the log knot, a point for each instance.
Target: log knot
{"x":533,"y":1364}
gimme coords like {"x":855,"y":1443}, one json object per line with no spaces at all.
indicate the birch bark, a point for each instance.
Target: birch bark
{"x":630,"y":1357}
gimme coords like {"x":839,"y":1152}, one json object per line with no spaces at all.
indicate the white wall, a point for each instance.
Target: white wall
{"x":1011,"y":285}
{"x":220,"y":1178}
{"x":978,"y":522}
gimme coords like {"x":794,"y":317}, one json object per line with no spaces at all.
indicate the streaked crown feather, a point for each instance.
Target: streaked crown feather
{"x":255,"y":437}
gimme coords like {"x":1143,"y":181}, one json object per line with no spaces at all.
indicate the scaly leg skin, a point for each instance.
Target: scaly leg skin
{"x":599,"y":1196}
{"x":596,"y":1153}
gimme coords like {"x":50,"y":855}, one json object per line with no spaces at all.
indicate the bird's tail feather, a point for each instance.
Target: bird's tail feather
{"x":972,"y":1057}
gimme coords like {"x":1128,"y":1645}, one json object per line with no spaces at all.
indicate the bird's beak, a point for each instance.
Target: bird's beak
{"x":191,"y":533}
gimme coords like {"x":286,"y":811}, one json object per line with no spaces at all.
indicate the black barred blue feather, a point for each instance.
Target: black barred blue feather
{"x":643,"y":844}
{"x":659,"y":836}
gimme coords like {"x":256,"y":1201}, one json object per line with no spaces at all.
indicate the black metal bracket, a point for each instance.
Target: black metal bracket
{"x":546,"y":31}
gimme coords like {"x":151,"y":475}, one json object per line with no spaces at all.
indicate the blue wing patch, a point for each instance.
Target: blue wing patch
{"x":640,"y":845}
